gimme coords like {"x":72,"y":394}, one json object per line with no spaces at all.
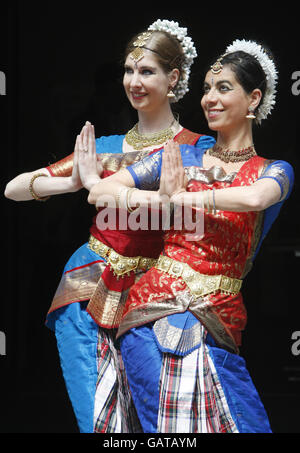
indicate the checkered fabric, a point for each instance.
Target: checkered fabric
{"x":114,"y":411}
{"x":191,"y":396}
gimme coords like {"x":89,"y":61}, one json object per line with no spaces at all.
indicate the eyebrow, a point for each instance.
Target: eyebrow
{"x":148,"y":66}
{"x":128,"y":65}
{"x":219,"y":82}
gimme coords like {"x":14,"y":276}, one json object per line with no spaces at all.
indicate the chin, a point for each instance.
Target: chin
{"x":213,"y":125}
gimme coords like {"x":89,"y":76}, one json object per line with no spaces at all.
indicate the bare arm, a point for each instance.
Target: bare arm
{"x":117,"y":185}
{"x":18,"y":188}
{"x":256,"y":197}
{"x":114,"y":189}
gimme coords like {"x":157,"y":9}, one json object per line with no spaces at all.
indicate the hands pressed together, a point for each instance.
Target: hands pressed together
{"x":86,"y":167}
{"x":173,"y":180}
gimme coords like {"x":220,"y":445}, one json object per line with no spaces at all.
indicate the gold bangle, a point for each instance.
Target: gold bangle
{"x":207,"y":201}
{"x":34,"y":195}
{"x":129,"y":192}
{"x":118,"y":196}
{"x":214,"y":202}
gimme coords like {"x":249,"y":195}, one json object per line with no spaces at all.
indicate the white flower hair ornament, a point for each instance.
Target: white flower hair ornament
{"x":268,"y":66}
{"x":188,"y":48}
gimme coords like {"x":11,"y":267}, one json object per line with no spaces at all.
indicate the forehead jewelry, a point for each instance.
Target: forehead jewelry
{"x":138,"y":53}
{"x":217,"y":67}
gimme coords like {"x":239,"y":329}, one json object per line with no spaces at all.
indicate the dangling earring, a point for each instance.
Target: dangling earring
{"x":251,"y":115}
{"x":170,"y":94}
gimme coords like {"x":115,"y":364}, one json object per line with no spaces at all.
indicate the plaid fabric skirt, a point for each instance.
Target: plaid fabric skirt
{"x":114,"y":411}
{"x":191,"y":396}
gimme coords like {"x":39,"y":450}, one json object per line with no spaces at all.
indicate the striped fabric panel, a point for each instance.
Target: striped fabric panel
{"x":114,"y":411}
{"x":191,"y":396}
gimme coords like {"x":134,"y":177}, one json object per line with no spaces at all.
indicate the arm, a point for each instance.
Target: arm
{"x":269,"y":189}
{"x":18,"y":189}
{"x":115,"y":188}
{"x":257,"y":197}
{"x":143,"y":175}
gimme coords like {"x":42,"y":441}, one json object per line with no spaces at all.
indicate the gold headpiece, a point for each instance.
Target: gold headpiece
{"x":138,"y":53}
{"x":217,"y":66}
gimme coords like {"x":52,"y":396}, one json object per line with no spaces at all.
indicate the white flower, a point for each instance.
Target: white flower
{"x":268,"y":66}
{"x":188,"y":48}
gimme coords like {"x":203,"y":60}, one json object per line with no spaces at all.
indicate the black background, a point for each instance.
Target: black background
{"x":62,"y":67}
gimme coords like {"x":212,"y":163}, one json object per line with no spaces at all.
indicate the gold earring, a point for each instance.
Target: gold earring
{"x":170,"y":94}
{"x":251,"y":115}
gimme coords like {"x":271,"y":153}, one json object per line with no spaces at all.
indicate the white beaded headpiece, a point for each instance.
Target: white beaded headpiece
{"x":188,"y":48}
{"x":268,"y":66}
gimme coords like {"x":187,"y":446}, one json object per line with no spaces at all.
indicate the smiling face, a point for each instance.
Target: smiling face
{"x":225,"y":103}
{"x":145,"y":82}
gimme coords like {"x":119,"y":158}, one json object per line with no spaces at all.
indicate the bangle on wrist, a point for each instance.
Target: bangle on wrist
{"x":31,"y":190}
{"x":119,"y":194}
{"x":129,"y":192}
{"x":214,"y":202}
{"x":207,"y":201}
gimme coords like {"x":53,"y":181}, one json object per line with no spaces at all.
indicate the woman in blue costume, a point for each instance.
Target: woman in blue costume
{"x":89,"y":301}
{"x":181,"y":327}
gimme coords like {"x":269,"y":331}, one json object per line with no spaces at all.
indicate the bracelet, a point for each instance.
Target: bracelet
{"x":34,"y":195}
{"x":118,"y":196}
{"x":207,"y":201}
{"x":129,"y":192}
{"x":214,"y":202}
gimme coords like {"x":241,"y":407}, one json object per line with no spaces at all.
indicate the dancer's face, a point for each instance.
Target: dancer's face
{"x":225,"y":102}
{"x":146,"y":83}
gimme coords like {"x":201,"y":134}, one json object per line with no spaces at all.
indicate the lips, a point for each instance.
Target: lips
{"x":213,"y":113}
{"x":137,"y":96}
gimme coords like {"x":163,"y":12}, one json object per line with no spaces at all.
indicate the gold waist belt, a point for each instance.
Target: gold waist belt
{"x":199,"y":284}
{"x":121,"y":265}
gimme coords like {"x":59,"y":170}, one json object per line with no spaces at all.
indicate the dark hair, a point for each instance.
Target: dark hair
{"x":247,"y":70}
{"x":166,"y":48}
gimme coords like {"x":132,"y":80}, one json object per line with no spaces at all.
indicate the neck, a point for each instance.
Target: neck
{"x":236,"y":139}
{"x":151,"y":122}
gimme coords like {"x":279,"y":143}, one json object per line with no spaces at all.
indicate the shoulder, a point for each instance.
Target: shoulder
{"x":187,"y":137}
{"x":282,"y":172}
{"x":109,"y":144}
{"x":205,"y":142}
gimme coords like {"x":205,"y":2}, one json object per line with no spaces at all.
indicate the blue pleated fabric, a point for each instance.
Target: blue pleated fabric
{"x":143,"y":361}
{"x":243,"y":400}
{"x":76,"y":335}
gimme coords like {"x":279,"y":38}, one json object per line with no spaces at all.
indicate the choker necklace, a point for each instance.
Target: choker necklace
{"x":227,"y":155}
{"x":139,"y":141}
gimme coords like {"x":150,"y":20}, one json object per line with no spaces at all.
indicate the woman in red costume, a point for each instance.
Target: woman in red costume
{"x":90,"y":299}
{"x":181,"y":327}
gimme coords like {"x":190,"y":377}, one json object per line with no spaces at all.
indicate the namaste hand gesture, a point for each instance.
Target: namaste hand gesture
{"x":86,"y":168}
{"x":173,"y":179}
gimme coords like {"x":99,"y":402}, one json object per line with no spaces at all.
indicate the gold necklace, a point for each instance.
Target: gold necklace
{"x":227,"y":155}
{"x":139,"y":141}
